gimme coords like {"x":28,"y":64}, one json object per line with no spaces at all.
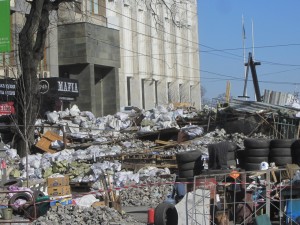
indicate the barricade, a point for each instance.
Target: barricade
{"x":239,"y":197}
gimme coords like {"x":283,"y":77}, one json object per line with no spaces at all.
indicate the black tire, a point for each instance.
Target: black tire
{"x":165,"y":214}
{"x":281,"y":143}
{"x":186,"y":173}
{"x":256,"y":143}
{"x":256,"y":159}
{"x":252,"y":166}
{"x":17,"y":196}
{"x":190,"y":156}
{"x":296,"y":152}
{"x":196,"y":166}
{"x":296,"y":160}
{"x":257,"y":152}
{"x":230,"y":146}
{"x":230,"y":156}
{"x":275,"y":152}
{"x":281,"y":161}
{"x":296,"y":144}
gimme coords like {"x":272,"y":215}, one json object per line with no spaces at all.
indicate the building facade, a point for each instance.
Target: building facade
{"x":122,"y":52}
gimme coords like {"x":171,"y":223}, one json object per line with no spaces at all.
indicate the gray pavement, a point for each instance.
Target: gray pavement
{"x":140,"y":213}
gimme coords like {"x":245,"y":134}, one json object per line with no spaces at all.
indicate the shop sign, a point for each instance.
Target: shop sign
{"x":5,"y":26}
{"x":60,"y":87}
{"x":7,"y":108}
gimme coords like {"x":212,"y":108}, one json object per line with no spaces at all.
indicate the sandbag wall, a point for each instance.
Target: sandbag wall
{"x":279,"y":151}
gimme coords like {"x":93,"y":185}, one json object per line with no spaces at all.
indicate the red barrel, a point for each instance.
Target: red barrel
{"x":150,"y":216}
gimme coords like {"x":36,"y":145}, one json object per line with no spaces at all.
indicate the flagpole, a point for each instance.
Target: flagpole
{"x":253,"y":41}
{"x":244,"y":52}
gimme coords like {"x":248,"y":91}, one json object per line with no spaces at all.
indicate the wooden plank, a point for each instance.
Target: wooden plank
{"x":165,"y":142}
{"x":45,"y":142}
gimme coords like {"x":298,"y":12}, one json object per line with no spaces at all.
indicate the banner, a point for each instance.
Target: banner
{"x":4,"y":25}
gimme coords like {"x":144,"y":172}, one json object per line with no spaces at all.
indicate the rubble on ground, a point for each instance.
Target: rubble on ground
{"x":75,"y":215}
{"x":97,"y":146}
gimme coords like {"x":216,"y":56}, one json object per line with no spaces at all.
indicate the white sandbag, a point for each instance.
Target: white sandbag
{"x":52,"y":117}
{"x":74,"y":111}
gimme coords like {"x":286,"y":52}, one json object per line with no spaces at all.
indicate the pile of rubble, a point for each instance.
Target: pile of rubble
{"x":71,"y":214}
{"x":111,"y":138}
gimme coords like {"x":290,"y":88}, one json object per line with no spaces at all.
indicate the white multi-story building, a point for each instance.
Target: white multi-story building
{"x":159,"y":51}
{"x":122,"y":52}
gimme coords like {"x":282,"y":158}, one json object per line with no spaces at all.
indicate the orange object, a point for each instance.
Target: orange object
{"x":150,"y":216}
{"x":234,"y":174}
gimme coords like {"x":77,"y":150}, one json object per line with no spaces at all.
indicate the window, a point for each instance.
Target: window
{"x":97,"y":7}
{"x":128,"y":91}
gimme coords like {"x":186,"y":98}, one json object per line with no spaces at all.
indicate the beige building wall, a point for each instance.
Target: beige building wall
{"x":160,"y":58}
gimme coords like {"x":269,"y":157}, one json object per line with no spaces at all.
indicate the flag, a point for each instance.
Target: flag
{"x":244,"y":31}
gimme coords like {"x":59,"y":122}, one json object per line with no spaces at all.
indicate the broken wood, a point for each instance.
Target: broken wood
{"x":45,"y":142}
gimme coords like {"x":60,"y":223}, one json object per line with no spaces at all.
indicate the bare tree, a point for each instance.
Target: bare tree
{"x":32,"y":40}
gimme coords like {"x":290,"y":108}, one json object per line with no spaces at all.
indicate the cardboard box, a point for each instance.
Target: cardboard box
{"x":59,"y":191}
{"x":62,"y":201}
{"x":58,"y":181}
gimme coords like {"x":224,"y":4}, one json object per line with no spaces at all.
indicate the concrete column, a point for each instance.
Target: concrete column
{"x":86,"y":79}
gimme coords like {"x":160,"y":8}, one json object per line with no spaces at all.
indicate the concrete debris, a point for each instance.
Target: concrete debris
{"x":76,"y":215}
{"x":108,"y":146}
{"x":148,"y":195}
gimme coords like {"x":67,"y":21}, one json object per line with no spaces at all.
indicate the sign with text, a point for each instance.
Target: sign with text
{"x":7,"y":89}
{"x":7,"y":108}
{"x":5,"y":26}
{"x":60,"y":87}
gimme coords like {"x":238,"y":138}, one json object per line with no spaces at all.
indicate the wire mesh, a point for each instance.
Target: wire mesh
{"x":221,"y":199}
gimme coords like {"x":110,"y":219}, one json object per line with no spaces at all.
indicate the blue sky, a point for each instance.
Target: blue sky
{"x":276,"y":41}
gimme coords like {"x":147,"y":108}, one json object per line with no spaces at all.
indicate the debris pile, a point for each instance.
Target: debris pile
{"x":71,"y":214}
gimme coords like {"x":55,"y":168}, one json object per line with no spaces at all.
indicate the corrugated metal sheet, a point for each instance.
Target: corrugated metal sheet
{"x":258,"y":107}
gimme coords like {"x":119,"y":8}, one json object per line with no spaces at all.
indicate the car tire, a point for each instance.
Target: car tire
{"x":257,"y":152}
{"x":256,"y":143}
{"x":281,"y":143}
{"x":196,"y":166}
{"x":17,"y":196}
{"x":252,"y":166}
{"x":281,"y":161}
{"x":278,"y":152}
{"x":256,"y":159}
{"x":165,"y":214}
{"x":187,"y":173}
{"x":189,"y":156}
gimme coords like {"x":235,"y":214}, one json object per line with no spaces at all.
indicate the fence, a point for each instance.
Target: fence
{"x":239,"y":197}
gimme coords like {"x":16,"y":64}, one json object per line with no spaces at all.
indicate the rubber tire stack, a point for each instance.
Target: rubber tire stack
{"x":296,"y":152}
{"x":281,"y":152}
{"x":231,"y":156}
{"x":189,"y":163}
{"x":256,"y":151}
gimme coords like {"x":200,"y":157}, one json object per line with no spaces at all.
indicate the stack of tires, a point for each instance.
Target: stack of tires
{"x":281,"y":152}
{"x":296,"y":151}
{"x":189,"y":163}
{"x":231,"y":154}
{"x":256,"y":151}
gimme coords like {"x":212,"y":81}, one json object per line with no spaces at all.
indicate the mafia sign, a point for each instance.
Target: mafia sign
{"x":60,"y":87}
